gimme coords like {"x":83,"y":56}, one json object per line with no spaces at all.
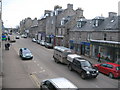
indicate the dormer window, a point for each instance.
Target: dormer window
{"x":65,"y":20}
{"x":80,"y":23}
{"x":97,"y":21}
{"x":62,"y":21}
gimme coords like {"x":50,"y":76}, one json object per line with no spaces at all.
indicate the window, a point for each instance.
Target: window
{"x":105,"y":36}
{"x":118,"y":68}
{"x":86,"y":64}
{"x":79,"y":24}
{"x":109,"y":66}
{"x":75,"y":61}
{"x":103,"y":65}
{"x":96,"y":23}
{"x":50,"y":85}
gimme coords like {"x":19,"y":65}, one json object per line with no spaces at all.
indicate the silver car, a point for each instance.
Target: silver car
{"x":57,"y":84}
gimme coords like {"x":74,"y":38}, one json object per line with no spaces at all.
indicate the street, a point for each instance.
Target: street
{"x":29,"y":73}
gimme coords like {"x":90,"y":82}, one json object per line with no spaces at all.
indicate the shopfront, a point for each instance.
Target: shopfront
{"x":59,"y":40}
{"x":82,"y":48}
{"x":110,"y":50}
{"x":50,"y":39}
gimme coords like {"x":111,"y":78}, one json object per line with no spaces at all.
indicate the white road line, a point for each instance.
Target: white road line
{"x":34,"y":61}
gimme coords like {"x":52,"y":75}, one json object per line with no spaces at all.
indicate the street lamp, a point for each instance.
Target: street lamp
{"x":0,"y":37}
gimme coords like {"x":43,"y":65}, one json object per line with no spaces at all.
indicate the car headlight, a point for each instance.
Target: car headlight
{"x":88,"y":72}
{"x":24,"y":56}
{"x":97,"y":71}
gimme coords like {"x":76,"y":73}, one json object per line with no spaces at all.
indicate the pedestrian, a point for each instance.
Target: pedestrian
{"x":7,"y":45}
{"x":8,"y":38}
{"x":99,"y":57}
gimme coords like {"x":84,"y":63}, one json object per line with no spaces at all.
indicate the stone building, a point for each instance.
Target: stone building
{"x":25,"y":25}
{"x":98,"y":35}
{"x":57,"y":26}
{"x":33,"y":28}
{"x":67,"y":23}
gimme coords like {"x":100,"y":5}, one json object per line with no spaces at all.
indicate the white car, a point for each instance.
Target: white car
{"x":58,"y":84}
{"x":33,"y":39}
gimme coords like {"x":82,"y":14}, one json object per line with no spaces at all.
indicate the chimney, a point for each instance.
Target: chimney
{"x":57,"y":7}
{"x":47,"y":12}
{"x":79,"y":12}
{"x":70,"y":6}
{"x":112,"y":14}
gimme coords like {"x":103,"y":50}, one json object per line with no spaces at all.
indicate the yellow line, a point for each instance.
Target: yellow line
{"x":35,"y":80}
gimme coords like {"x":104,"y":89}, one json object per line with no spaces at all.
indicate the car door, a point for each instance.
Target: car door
{"x":78,"y":67}
{"x":102,"y":68}
{"x":109,"y":68}
{"x":74,"y":64}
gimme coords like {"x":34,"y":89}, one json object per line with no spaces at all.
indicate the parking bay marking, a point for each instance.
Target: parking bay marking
{"x":36,"y":81}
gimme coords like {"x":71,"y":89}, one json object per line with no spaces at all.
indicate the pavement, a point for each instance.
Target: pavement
{"x":93,"y":60}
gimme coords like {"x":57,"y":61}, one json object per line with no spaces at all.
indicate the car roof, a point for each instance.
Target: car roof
{"x":25,"y":49}
{"x":114,"y":64}
{"x":62,"y":83}
{"x":81,"y":59}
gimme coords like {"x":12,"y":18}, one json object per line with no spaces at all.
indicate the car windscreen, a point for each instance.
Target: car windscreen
{"x":86,"y":64}
{"x":26,"y":52}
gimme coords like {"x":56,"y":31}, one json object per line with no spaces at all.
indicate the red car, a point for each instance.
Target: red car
{"x":110,"y":69}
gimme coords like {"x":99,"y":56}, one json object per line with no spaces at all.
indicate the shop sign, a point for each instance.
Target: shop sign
{"x":107,"y":44}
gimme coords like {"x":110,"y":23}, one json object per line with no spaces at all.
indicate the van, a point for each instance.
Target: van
{"x":60,"y":54}
{"x":12,"y":38}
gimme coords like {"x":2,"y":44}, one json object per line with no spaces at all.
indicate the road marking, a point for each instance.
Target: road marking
{"x":97,"y":86}
{"x":41,"y":67}
{"x":34,"y":61}
{"x":41,"y":71}
{"x":36,"y":81}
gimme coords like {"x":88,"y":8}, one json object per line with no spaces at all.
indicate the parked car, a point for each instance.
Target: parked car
{"x":38,"y":41}
{"x":22,"y":36}
{"x":48,"y":45}
{"x":110,"y":69}
{"x":57,"y":84}
{"x":83,"y":67}
{"x":42,"y":42}
{"x":17,"y":37}
{"x":33,"y":40}
{"x":25,"y":53}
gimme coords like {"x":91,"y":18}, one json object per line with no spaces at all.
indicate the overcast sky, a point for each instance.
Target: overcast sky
{"x":14,"y":11}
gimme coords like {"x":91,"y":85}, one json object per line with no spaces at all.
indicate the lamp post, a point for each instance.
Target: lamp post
{"x":0,"y":37}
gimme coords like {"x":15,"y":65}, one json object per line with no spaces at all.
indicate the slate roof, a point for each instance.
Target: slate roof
{"x":109,"y":23}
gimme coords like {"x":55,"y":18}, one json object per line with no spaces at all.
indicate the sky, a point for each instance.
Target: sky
{"x":14,"y":11}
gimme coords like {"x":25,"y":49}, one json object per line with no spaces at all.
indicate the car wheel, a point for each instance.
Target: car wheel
{"x":111,"y":75}
{"x":70,"y":67}
{"x":83,"y":75}
{"x":40,"y":87}
{"x":56,"y":61}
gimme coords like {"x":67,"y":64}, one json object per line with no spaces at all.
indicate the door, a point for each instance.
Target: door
{"x":103,"y":68}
